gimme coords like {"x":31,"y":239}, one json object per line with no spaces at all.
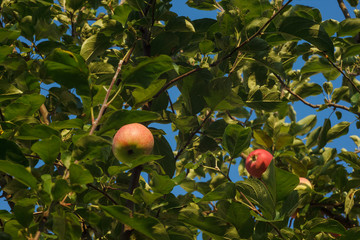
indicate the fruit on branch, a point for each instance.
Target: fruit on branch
{"x":304,"y":184}
{"x":132,"y":141}
{"x":257,"y":162}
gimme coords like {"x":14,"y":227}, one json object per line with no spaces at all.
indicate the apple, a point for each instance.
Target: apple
{"x":304,"y":184}
{"x":132,"y":141}
{"x":257,"y":162}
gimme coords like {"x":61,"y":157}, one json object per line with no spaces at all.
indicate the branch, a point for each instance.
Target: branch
{"x":192,"y":135}
{"x":167,"y":85}
{"x":343,"y":8}
{"x":342,"y":72}
{"x":45,"y":114}
{"x":258,"y":32}
{"x":171,"y":82}
{"x":103,"y":192}
{"x":328,"y":103}
{"x":105,"y":103}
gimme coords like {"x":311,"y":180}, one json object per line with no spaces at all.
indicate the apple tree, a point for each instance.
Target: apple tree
{"x":74,"y":72}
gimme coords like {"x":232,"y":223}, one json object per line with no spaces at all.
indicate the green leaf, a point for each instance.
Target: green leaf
{"x":117,"y":119}
{"x":165,"y":43}
{"x":325,"y":225}
{"x":163,"y":148}
{"x":236,"y":139}
{"x":179,"y":24}
{"x":356,"y":140}
{"x":147,"y":71}
{"x":142,"y":160}
{"x":207,"y":5}
{"x":90,"y":146}
{"x":308,"y":30}
{"x":315,"y":65}
{"x":69,"y":70}
{"x":307,"y":89}
{"x":71,"y":123}
{"x":161,"y":183}
{"x":262,"y":138}
{"x":224,"y":191}
{"x":26,"y":105}
{"x":142,"y":95}
{"x":19,"y":172}
{"x":353,"y":3}
{"x":94,"y":46}
{"x":350,"y":157}
{"x":340,"y":93}
{"x":303,"y":126}
{"x":80,"y":175}
{"x":48,"y":149}
{"x":4,"y":52}
{"x":258,"y":194}
{"x":349,"y":27}
{"x":283,"y":140}
{"x":34,"y":132}
{"x":349,"y":200}
{"x":238,"y":215}
{"x":121,"y":13}
{"x":285,"y":183}
{"x":60,"y":189}
{"x":219,"y":89}
{"x":212,"y":226}
{"x":322,"y":138}
{"x":24,"y":210}
{"x":147,"y":225}
{"x":206,"y":46}
{"x":351,"y":50}
{"x":10,"y":151}
{"x":338,"y":130}
{"x":7,"y":36}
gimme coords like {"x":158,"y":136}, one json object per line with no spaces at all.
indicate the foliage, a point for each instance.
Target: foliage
{"x":73,"y":72}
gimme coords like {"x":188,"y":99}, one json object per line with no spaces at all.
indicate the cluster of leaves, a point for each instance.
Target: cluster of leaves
{"x":237,"y":85}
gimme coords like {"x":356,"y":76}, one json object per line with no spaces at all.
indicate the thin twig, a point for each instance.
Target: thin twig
{"x":192,"y":135}
{"x":105,"y":103}
{"x":258,"y":32}
{"x":343,"y":8}
{"x":328,"y":103}
{"x":171,"y":82}
{"x":103,"y":192}
{"x":342,"y":72}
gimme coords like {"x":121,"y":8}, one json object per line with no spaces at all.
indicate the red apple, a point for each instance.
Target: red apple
{"x":304,"y":184}
{"x":257,"y":162}
{"x":132,"y":141}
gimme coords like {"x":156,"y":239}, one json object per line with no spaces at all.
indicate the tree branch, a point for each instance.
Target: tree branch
{"x":105,"y":103}
{"x":192,"y":135}
{"x":45,"y":114}
{"x":258,"y":32}
{"x":343,"y":8}
{"x":342,"y":72}
{"x":103,"y":192}
{"x":328,"y":103}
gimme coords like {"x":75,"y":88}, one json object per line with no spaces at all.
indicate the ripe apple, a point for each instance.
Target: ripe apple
{"x":132,"y":141}
{"x":257,"y":162}
{"x":304,"y":184}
